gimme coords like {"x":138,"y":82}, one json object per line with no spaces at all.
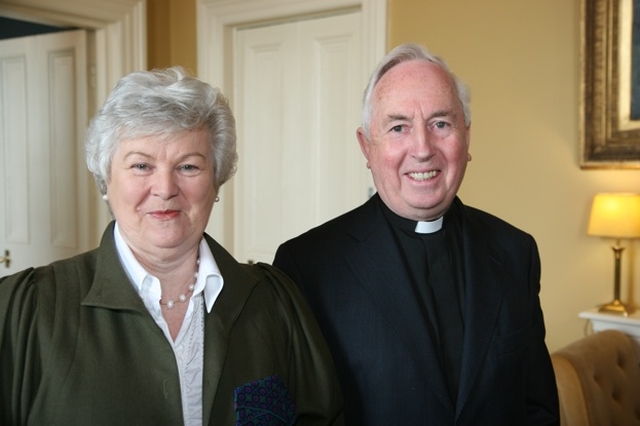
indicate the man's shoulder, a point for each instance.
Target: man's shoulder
{"x":490,"y":226}
{"x":336,"y":228}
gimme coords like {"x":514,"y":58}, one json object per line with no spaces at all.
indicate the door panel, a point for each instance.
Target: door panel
{"x":297,"y":101}
{"x":43,"y":184}
{"x":263,"y":96}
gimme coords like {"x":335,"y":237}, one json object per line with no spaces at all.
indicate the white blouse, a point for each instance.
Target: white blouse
{"x":188,"y":348}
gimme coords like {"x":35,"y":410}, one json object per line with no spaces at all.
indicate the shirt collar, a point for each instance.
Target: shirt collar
{"x":209,"y":276}
{"x":410,"y":226}
{"x":429,"y":227}
{"x":210,"y":280}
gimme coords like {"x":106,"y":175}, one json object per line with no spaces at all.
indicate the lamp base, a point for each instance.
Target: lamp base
{"x":617,"y":308}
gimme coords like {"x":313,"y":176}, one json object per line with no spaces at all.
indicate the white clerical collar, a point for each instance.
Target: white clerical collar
{"x":425,"y":227}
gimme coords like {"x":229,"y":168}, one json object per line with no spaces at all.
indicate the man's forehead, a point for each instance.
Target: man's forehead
{"x":419,"y":69}
{"x":410,"y":79}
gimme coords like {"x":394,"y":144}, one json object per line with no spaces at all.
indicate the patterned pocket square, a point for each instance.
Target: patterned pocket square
{"x":264,"y":402}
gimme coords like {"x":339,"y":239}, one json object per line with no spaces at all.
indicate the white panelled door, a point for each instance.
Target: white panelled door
{"x":297,"y":97}
{"x":43,"y":180}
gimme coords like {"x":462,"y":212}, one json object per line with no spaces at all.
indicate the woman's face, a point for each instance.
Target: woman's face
{"x":161,"y":192}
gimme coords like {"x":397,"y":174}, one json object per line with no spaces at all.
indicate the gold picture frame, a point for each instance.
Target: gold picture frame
{"x":609,"y":121}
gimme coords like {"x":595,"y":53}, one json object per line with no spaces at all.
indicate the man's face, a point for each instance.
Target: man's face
{"x":418,"y":145}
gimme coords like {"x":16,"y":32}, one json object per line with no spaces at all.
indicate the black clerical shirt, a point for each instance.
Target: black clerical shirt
{"x":439,"y":286}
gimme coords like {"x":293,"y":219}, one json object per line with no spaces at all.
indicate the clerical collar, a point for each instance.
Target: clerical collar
{"x":410,"y":227}
{"x":429,"y":227}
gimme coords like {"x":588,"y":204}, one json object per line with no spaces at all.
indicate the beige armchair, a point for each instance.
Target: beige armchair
{"x":598,"y":381}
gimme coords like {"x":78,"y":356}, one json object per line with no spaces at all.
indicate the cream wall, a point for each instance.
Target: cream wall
{"x":521,"y":60}
{"x":171,"y":31}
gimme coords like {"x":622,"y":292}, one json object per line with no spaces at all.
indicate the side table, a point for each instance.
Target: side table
{"x":629,"y":325}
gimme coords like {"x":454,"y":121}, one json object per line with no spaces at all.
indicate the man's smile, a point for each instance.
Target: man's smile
{"x":422,"y":176}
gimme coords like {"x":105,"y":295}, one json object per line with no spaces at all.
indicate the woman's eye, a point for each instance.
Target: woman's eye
{"x":140,"y":167}
{"x":188,"y":167}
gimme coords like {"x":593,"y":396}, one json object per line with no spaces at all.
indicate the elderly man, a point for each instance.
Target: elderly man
{"x":430,"y":307}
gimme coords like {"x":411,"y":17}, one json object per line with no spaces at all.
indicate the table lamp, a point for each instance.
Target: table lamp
{"x":615,"y":215}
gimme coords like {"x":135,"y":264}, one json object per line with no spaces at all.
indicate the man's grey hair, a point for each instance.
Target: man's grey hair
{"x":404,"y":53}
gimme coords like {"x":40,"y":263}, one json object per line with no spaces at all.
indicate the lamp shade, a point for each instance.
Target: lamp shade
{"x":615,"y":215}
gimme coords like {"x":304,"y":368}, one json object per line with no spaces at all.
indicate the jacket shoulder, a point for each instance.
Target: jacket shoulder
{"x":490,"y":231}
{"x":44,"y":288}
{"x":339,"y":227}
{"x":273,"y":280}
{"x":55,"y":273}
{"x":481,"y":219}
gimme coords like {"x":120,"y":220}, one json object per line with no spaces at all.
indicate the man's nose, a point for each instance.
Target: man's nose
{"x":423,"y":144}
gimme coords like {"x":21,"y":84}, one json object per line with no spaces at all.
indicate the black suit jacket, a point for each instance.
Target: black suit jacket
{"x":352,"y":273}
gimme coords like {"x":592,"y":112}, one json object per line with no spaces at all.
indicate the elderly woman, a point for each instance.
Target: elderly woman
{"x":160,"y":325}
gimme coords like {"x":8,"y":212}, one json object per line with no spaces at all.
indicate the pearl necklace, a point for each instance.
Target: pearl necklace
{"x":170,"y":304}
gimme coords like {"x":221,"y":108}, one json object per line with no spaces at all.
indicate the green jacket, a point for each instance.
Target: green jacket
{"x":78,"y":347}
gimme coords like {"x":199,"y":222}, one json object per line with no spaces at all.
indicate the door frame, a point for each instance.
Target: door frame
{"x":117,"y":45}
{"x":215,"y":26}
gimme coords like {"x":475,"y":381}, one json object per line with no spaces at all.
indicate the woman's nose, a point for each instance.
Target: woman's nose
{"x":164,"y":184}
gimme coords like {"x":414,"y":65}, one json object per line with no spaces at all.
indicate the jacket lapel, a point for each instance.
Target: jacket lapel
{"x":379,"y":268}
{"x":238,"y":284}
{"x":485,"y":289}
{"x":111,"y":287}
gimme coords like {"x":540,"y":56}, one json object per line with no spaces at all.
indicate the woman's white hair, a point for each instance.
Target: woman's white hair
{"x":403,"y":53}
{"x":161,"y":103}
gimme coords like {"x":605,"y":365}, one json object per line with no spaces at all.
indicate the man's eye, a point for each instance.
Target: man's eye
{"x":397,"y":128}
{"x":441,"y":124}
